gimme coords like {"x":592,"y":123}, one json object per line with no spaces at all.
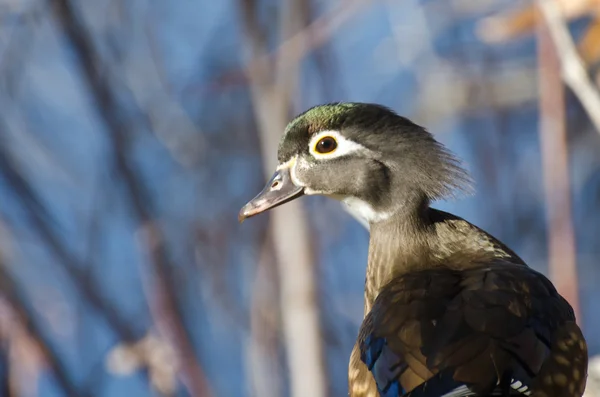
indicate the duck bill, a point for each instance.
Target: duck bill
{"x":279,"y":190}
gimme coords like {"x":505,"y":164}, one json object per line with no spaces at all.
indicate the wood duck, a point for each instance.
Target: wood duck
{"x":449,"y":309}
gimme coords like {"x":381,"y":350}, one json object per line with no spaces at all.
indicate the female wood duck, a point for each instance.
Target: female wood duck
{"x":450,"y":310}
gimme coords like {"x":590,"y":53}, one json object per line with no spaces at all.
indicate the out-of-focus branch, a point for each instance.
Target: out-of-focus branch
{"x":573,"y":70}
{"x":305,"y":40}
{"x":209,"y":246}
{"x":264,"y":328}
{"x":25,"y":315}
{"x":42,"y":224}
{"x":297,"y":46}
{"x":522,"y":19}
{"x":163,"y":302}
{"x":150,"y":352}
{"x":150,"y":88}
{"x":74,"y":267}
{"x":272,"y":104}
{"x":553,"y":138}
{"x":19,"y":45}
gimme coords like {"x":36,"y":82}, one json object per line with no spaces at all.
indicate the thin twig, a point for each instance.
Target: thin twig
{"x":574,"y":72}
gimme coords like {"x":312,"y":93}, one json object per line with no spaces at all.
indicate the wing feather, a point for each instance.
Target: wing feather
{"x":473,"y":331}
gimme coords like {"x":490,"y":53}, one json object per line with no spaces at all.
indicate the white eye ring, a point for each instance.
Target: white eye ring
{"x":343,"y":145}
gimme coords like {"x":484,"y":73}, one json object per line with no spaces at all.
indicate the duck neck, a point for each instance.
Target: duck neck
{"x":397,"y":245}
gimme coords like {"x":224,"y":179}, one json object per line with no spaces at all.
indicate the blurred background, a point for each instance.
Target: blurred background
{"x":132,"y":131}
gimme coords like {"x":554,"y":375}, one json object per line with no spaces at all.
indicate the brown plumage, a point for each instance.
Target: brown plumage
{"x":449,"y":305}
{"x":450,"y":311}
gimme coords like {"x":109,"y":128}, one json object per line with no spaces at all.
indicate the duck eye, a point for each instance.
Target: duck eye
{"x":326,"y":145}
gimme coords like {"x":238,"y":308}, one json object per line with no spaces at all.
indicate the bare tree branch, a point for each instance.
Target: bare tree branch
{"x":25,"y":314}
{"x":266,"y":373}
{"x":300,"y":315}
{"x":573,"y":70}
{"x":293,"y":49}
{"x":43,"y":223}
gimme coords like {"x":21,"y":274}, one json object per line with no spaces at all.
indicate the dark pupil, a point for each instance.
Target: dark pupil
{"x":326,"y":145}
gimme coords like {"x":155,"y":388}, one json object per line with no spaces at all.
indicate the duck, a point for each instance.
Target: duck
{"x":449,"y":310}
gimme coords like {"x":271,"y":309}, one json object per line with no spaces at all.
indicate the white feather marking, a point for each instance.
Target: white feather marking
{"x":291,"y":164}
{"x":364,"y":210}
{"x":344,"y":145}
{"x":287,"y":164}
{"x":459,"y":392}
{"x":519,"y":386}
{"x":293,"y":175}
{"x":463,"y":391}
